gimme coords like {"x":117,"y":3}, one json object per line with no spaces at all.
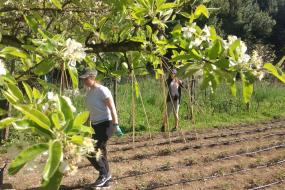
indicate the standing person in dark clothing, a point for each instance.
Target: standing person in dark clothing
{"x":104,"y":120}
{"x":173,"y":99}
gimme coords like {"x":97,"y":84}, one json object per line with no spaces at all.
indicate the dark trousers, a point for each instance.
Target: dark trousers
{"x":103,"y":131}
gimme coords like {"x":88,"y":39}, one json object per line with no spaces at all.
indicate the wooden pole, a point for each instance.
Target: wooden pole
{"x":115,"y":87}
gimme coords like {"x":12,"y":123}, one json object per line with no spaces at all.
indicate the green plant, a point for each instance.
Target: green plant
{"x":61,"y":133}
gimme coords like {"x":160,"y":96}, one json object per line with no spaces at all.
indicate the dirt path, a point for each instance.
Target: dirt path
{"x":233,"y":157}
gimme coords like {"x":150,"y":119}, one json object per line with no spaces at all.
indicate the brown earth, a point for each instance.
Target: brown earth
{"x":233,"y":157}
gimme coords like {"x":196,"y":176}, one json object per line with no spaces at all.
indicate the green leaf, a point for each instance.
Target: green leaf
{"x":54,"y":182}
{"x":36,"y":116}
{"x":54,"y":159}
{"x":39,"y":19}
{"x":215,"y":50}
{"x":66,"y":109}
{"x":81,"y":118}
{"x":185,"y":14}
{"x":44,"y":67}
{"x":27,"y":155}
{"x":274,"y":71}
{"x":11,"y":99}
{"x":232,"y":49}
{"x":74,"y":76}
{"x":7,"y":121}
{"x":77,"y":139}
{"x":176,"y":30}
{"x":149,"y":31}
{"x":22,"y":124}
{"x":201,"y":9}
{"x":247,"y":86}
{"x":167,"y":6}
{"x":189,"y":69}
{"x":57,"y":3}
{"x":29,"y":91}
{"x":223,"y":63}
{"x":8,"y":78}
{"x":56,"y":121}
{"x":31,"y":22}
{"x":213,"y":33}
{"x":85,"y":129}
{"x":280,"y":63}
{"x":14,"y":51}
{"x":15,"y":91}
{"x":36,"y":93}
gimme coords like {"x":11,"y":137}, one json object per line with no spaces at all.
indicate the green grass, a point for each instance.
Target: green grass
{"x":218,"y":109}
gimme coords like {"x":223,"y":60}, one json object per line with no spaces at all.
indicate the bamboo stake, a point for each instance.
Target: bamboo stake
{"x":141,"y":99}
{"x":133,"y":107}
{"x":165,"y":115}
{"x":62,"y":79}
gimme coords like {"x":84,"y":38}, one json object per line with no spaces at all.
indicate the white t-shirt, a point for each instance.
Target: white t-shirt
{"x":95,"y":102}
{"x":174,"y":88}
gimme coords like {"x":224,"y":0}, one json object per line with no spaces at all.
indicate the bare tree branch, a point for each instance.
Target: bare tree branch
{"x":114,"y":47}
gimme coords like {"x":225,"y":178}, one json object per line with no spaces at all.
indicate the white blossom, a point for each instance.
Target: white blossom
{"x":232,"y":39}
{"x":64,"y":167}
{"x":72,"y":63}
{"x":261,"y":76}
{"x":94,"y":59}
{"x":74,"y":51}
{"x":206,"y":30}
{"x":68,"y":100}
{"x":50,"y":95}
{"x":2,"y":68}
{"x":197,"y":42}
{"x":188,"y":31}
{"x":88,"y":146}
{"x":45,"y":107}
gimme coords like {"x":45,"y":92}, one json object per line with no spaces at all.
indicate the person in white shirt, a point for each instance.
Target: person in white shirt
{"x":104,"y":120}
{"x":173,"y":99}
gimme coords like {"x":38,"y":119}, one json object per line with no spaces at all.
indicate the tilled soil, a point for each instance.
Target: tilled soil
{"x":233,"y":157}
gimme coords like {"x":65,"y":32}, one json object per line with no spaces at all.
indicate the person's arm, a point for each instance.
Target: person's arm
{"x":111,"y":105}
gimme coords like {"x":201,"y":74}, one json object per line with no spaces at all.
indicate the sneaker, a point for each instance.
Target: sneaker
{"x":102,"y":180}
{"x":162,"y":129}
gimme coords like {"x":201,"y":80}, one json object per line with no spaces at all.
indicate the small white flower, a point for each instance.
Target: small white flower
{"x":72,"y":63}
{"x":188,"y":31}
{"x":232,"y":63}
{"x":68,"y":100}
{"x":2,"y":68}
{"x":88,"y":144}
{"x":242,"y":49}
{"x":45,"y":107}
{"x":64,"y":167}
{"x":244,"y":58}
{"x":50,"y":95}
{"x":197,"y":42}
{"x":232,"y":39}
{"x":261,"y":76}
{"x":206,"y":30}
{"x":74,"y":50}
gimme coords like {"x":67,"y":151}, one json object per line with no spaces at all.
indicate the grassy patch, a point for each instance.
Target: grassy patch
{"x":218,"y":109}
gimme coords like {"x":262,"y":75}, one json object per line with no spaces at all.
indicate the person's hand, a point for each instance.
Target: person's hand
{"x":118,"y":130}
